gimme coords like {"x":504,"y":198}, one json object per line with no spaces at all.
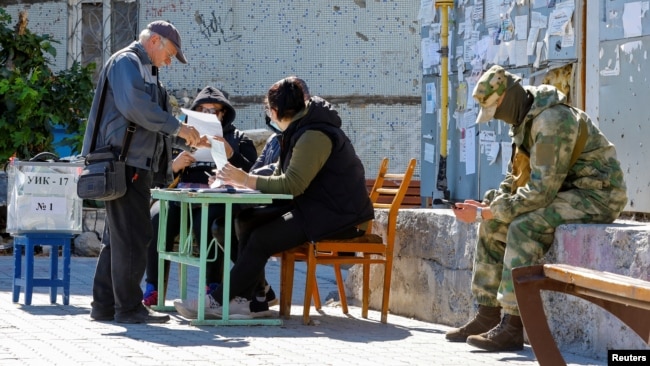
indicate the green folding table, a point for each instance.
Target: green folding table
{"x":188,"y":198}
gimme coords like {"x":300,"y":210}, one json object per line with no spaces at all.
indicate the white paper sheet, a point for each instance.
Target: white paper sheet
{"x":218,"y":154}
{"x":431,"y":98}
{"x":470,"y":151}
{"x":207,"y":124}
{"x":506,"y":155}
{"x":429,"y":152}
{"x":521,"y":25}
{"x":492,"y":151}
{"x":560,"y":17}
{"x":426,"y":13}
{"x":632,"y":16}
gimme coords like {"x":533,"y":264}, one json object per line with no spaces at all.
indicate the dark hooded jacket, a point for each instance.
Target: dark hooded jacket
{"x":337,"y":198}
{"x":244,"y":152}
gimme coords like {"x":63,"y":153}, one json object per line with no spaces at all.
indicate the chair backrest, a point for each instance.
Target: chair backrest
{"x":395,"y":194}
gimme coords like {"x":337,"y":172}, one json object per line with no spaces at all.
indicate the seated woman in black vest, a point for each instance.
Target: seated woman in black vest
{"x":320,"y":168}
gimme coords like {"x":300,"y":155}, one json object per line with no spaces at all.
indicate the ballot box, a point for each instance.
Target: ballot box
{"x":42,"y":197}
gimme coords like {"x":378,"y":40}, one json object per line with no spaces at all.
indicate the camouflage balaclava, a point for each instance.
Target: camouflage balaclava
{"x":491,"y":86}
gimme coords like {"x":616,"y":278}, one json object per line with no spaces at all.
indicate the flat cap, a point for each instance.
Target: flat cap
{"x":167,"y":30}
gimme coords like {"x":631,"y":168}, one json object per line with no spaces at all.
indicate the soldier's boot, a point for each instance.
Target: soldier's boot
{"x":487,"y":318}
{"x":507,"y":336}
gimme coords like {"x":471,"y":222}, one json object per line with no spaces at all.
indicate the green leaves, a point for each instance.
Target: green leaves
{"x":33,"y":99}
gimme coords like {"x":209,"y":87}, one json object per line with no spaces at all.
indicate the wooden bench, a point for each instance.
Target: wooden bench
{"x":625,"y":297}
{"x":412,"y":198}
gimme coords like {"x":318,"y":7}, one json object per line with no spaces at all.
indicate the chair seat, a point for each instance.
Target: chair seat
{"x":366,"y":238}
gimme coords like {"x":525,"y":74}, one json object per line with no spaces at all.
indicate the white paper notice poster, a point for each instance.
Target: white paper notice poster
{"x":429,"y":153}
{"x":470,"y":151}
{"x":431,"y":98}
{"x":506,"y":155}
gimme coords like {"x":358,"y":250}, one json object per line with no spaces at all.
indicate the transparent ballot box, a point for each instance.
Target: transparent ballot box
{"x":42,"y":197}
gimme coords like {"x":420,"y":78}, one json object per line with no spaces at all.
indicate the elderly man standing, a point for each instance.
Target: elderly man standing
{"x":129,"y":91}
{"x":563,"y":170}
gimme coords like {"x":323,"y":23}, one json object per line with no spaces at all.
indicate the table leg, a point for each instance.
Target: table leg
{"x":161,"y":246}
{"x":203,"y":257}
{"x":226,"y":267}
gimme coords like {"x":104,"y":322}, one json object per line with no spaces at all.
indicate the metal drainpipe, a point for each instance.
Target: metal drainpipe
{"x":441,"y":184}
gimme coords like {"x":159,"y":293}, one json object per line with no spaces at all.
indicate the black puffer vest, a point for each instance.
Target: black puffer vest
{"x":337,"y":198}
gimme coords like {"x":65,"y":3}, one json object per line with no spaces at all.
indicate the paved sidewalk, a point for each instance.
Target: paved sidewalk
{"x":53,"y":334}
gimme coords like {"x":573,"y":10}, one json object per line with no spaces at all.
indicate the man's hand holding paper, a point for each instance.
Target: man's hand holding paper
{"x":208,"y":124}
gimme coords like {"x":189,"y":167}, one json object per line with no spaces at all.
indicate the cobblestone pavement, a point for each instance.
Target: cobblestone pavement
{"x":54,"y":334}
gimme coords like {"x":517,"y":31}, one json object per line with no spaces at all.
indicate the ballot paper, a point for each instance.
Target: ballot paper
{"x":218,"y":153}
{"x":208,"y":124}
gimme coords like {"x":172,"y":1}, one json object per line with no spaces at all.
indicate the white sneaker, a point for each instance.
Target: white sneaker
{"x":189,"y":308}
{"x":239,"y":308}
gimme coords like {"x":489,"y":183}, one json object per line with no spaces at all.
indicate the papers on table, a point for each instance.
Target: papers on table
{"x":226,"y":189}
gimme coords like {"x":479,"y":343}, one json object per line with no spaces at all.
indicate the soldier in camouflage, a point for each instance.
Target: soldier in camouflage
{"x":563,"y":170}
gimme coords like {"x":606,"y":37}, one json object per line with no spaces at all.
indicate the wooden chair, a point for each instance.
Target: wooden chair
{"x":365,"y":250}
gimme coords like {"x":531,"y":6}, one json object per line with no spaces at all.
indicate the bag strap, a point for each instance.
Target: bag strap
{"x":98,"y":119}
{"x":130,"y":129}
{"x":580,"y":142}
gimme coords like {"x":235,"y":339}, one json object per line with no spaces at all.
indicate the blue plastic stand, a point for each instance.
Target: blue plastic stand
{"x":28,"y":241}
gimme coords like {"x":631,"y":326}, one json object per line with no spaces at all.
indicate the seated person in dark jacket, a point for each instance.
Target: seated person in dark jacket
{"x":320,"y":168}
{"x":190,"y":173}
{"x":265,"y":164}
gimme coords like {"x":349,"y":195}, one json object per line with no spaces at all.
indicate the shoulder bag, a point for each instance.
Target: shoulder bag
{"x":104,"y":176}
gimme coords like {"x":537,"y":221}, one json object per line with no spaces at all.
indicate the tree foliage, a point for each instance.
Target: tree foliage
{"x":33,"y":98}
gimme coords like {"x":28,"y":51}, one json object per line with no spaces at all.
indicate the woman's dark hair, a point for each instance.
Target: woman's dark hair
{"x":287,"y":97}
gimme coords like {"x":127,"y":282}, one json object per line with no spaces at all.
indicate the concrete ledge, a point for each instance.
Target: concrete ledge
{"x":433,"y":266}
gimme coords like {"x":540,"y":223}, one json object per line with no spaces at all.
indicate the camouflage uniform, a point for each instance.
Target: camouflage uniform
{"x":592,"y":190}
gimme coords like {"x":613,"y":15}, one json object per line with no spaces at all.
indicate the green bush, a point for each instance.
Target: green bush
{"x":33,"y":99}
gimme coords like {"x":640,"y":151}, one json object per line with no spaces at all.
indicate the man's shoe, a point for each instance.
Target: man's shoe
{"x":189,"y":308}
{"x":145,"y":315}
{"x":507,"y":336}
{"x":101,"y":316}
{"x":487,"y":318}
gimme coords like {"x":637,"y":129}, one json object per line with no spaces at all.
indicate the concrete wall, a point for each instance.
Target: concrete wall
{"x":362,"y":56}
{"x":433,"y":266}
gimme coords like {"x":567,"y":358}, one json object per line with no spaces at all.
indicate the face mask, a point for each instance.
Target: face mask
{"x":275,"y":126}
{"x":272,"y":125}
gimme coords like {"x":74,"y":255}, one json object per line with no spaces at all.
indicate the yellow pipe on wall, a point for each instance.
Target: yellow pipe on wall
{"x":444,"y":73}
{"x":444,"y":92}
